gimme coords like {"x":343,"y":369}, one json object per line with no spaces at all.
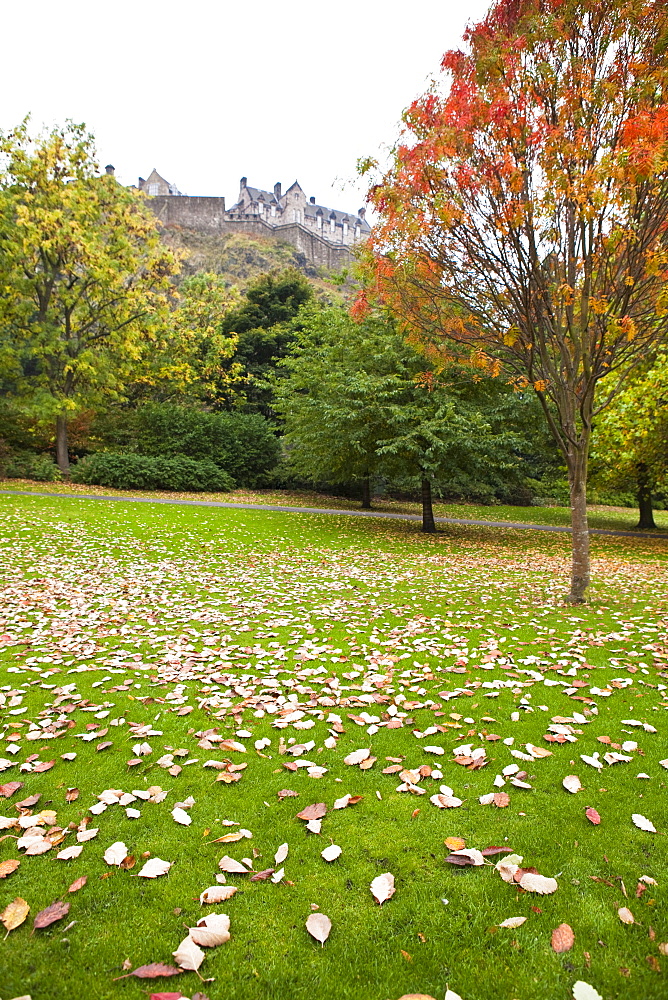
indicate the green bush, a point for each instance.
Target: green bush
{"x":242,"y":444}
{"x":142,"y":472}
{"x":28,"y":465}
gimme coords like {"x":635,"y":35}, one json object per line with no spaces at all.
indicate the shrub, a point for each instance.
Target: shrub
{"x":243,"y":444}
{"x":143,"y":472}
{"x":28,"y":465}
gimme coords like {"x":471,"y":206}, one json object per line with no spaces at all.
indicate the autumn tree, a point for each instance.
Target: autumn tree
{"x":524,"y":211}
{"x":84,"y":275}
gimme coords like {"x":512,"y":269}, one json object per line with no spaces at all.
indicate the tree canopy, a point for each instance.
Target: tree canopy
{"x":524,"y":211}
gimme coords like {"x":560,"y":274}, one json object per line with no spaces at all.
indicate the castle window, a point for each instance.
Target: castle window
{"x":320,"y":222}
{"x":345,"y":229}
{"x":153,"y":189}
{"x":332,"y":224}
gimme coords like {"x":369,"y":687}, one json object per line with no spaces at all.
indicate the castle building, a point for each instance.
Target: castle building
{"x":326,"y":236}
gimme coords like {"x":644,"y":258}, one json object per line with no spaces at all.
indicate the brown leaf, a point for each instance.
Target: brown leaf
{"x":592,"y":816}
{"x":287,"y":793}
{"x":29,"y":802}
{"x":7,"y":867}
{"x":102,"y":746}
{"x":14,"y":913}
{"x":454,"y":843}
{"x":501,"y":799}
{"x":489,"y":852}
{"x":72,"y":794}
{"x":50,"y":914}
{"x":8,"y":790}
{"x":316,"y":811}
{"x":43,"y":766}
{"x":563,"y":938}
{"x":153,"y":971}
{"x":262,"y":876}
{"x":625,"y":915}
{"x":128,"y":863}
{"x":79,"y":884}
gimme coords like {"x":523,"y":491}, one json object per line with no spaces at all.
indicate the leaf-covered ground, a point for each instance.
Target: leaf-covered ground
{"x":202,"y":663}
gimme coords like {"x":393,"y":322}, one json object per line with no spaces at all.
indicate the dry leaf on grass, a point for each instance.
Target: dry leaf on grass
{"x":9,"y":866}
{"x":69,"y":853}
{"x":382,"y":888}
{"x":531,"y":882}
{"x":625,"y":915}
{"x":501,"y":799}
{"x":315,"y":811}
{"x":357,"y":756}
{"x":212,"y":930}
{"x":50,"y":914}
{"x":78,"y":884}
{"x":188,"y":955}
{"x":563,"y":938}
{"x":466,"y":856}
{"x":643,"y":823}
{"x":592,"y":816}
{"x":263,"y":875}
{"x":217,"y":893}
{"x":154,"y":867}
{"x":583,"y":991}
{"x":319,"y":925}
{"x":228,"y":864}
{"x":331,"y":853}
{"x":154,"y":970}
{"x":454,"y":843}
{"x":281,"y":854}
{"x":14,"y":914}
{"x":513,"y":922}
{"x":116,"y":854}
{"x":181,"y":816}
{"x":572,"y":783}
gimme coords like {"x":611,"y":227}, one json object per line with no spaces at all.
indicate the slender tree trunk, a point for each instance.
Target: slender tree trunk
{"x":646,"y":522}
{"x":428,"y":523}
{"x":366,"y":493}
{"x":62,"y":454}
{"x":580,"y":571}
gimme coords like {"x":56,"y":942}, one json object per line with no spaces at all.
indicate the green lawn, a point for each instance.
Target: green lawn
{"x":185,"y":620}
{"x":616,"y":518}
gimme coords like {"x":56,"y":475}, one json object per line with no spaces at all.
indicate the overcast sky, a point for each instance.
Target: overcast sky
{"x":208,"y":92}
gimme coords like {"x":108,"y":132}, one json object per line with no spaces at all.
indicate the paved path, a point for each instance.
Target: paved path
{"x":332,"y":510}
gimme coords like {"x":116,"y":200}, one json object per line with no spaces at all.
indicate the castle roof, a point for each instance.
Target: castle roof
{"x":310,"y":210}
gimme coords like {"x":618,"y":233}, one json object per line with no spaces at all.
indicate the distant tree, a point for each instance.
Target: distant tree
{"x":631,"y":438}
{"x":85,"y":278}
{"x":357,"y":404}
{"x":525,"y":208}
{"x":264,"y":330}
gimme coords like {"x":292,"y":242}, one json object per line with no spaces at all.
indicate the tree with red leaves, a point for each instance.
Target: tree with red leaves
{"x":524,"y":214}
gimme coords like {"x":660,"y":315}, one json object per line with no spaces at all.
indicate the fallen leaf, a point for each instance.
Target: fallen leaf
{"x":315,"y":811}
{"x":331,"y":853}
{"x":319,"y":925}
{"x":592,"y":816}
{"x":642,"y":823}
{"x":116,"y":854}
{"x":69,"y":853}
{"x":228,"y":864}
{"x":625,"y":915}
{"x":281,"y":854}
{"x":188,"y":955}
{"x":212,"y":930}
{"x":79,"y":884}
{"x":583,"y":991}
{"x":513,"y":922}
{"x":154,"y":867}
{"x":7,"y":867}
{"x":154,"y":971}
{"x":531,"y":882}
{"x":263,"y":875}
{"x":454,"y":843}
{"x":572,"y":783}
{"x":382,"y":888}
{"x":217,"y":893}
{"x":467,"y":856}
{"x":50,"y":914}
{"x":181,"y":816}
{"x":501,"y":799}
{"x":8,"y":790}
{"x":14,"y":914}
{"x":563,"y":938}
{"x":357,"y":756}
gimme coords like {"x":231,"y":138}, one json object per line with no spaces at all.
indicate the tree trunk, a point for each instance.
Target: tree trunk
{"x":646,"y":522}
{"x":580,"y":573}
{"x":428,"y":523}
{"x":62,"y":455}
{"x":366,"y":494}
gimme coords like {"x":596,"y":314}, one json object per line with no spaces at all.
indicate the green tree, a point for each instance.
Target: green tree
{"x":264,"y":327}
{"x":356,"y":404}
{"x":86,"y":280}
{"x":631,"y":438}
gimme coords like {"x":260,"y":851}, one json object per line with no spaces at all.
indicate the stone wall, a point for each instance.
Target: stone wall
{"x":207,"y":215}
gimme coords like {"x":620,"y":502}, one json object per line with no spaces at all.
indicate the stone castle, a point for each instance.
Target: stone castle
{"x":326,"y":236}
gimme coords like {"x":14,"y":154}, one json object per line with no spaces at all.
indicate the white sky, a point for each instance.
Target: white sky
{"x":208,"y":92}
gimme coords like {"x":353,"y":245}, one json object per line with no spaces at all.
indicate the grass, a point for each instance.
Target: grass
{"x":615,"y":518}
{"x":117,"y":601}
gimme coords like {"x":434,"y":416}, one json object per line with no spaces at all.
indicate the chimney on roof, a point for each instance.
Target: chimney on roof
{"x":312,"y":200}
{"x":277,"y":190}
{"x":243,"y":182}
{"x":361,"y":212}
{"x":109,"y":169}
